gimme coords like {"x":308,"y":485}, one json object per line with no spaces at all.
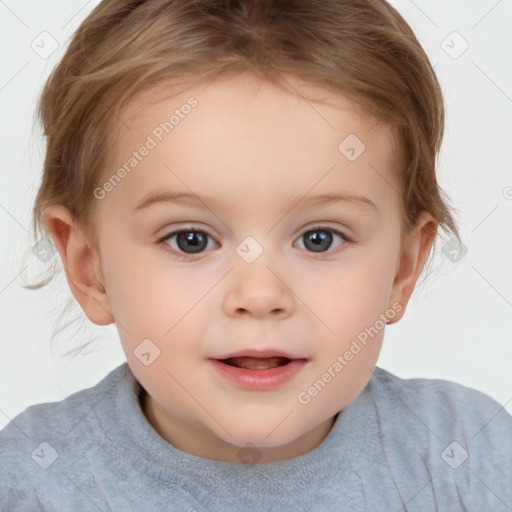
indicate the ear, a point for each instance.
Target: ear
{"x":81,"y":263}
{"x":411,"y":262}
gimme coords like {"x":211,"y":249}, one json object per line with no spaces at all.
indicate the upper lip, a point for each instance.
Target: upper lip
{"x":259,"y":354}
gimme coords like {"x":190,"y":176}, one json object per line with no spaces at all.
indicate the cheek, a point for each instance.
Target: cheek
{"x":351,"y":300}
{"x":149,"y":299}
{"x":353,"y":295}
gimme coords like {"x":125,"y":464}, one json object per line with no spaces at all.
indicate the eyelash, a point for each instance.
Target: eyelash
{"x":183,"y":256}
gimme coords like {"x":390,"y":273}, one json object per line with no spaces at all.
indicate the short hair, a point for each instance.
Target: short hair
{"x":362,"y":49}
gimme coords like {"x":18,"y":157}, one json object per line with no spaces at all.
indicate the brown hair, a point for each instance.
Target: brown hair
{"x":363,"y":49}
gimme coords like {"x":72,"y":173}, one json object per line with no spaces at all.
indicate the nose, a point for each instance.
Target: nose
{"x":259,"y":291}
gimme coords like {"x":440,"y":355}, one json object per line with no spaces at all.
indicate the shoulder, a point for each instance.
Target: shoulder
{"x":453,"y":436}
{"x":48,"y":433}
{"x":56,"y":419}
{"x":443,"y":405}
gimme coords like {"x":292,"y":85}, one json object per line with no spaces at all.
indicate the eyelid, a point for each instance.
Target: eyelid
{"x":326,"y":226}
{"x":321,"y":227}
{"x":344,"y":232}
{"x":162,"y":241}
{"x":318,"y":225}
{"x":185,"y":227}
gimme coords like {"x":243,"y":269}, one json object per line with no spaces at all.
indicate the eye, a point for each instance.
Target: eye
{"x":320,"y":239}
{"x":186,"y":242}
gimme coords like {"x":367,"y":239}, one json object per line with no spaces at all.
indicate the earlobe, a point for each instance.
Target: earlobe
{"x":411,"y":262}
{"x":82,"y":264}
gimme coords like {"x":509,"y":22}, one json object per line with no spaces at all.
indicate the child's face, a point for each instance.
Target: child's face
{"x":249,"y":151}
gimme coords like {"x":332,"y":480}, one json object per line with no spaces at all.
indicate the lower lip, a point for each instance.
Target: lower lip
{"x":259,"y":380}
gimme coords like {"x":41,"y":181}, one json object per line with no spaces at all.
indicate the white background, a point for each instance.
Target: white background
{"x":458,"y":325}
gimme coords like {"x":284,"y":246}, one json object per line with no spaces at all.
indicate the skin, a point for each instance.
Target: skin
{"x":255,"y":149}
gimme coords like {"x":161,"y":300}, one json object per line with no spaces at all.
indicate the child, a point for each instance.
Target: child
{"x":292,"y":144}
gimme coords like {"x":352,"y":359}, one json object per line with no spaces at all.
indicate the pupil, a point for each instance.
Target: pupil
{"x":320,"y":240}
{"x":193,"y":240}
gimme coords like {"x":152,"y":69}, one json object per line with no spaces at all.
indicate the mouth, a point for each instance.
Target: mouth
{"x":256,"y":363}
{"x":258,"y":359}
{"x":262,"y":370}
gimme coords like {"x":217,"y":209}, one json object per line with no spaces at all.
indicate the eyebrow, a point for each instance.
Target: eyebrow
{"x":187,"y":199}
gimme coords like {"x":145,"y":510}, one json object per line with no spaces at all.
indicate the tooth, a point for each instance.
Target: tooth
{"x":254,"y":363}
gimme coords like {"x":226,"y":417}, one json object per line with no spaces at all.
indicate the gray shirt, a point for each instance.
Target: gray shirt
{"x":402,"y":445}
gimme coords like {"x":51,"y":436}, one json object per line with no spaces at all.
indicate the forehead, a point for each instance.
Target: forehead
{"x":245,"y":138}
